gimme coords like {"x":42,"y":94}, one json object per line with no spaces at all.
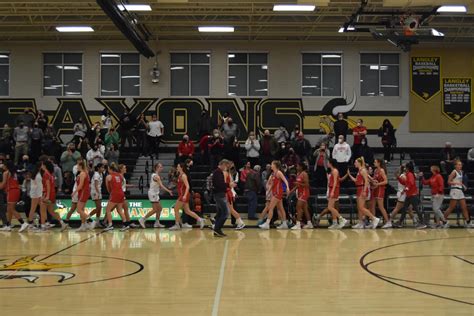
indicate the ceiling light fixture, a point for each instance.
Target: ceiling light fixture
{"x":452,"y":9}
{"x":293,"y":7}
{"x":134,"y":7}
{"x":74,"y":29}
{"x":349,"y":28}
{"x":216,"y":29}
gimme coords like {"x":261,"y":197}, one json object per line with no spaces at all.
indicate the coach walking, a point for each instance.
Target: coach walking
{"x":219,"y":191}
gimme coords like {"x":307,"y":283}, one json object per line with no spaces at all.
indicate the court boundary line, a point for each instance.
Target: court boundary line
{"x":220,"y":282}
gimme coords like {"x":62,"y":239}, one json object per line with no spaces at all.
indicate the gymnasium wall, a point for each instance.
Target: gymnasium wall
{"x":284,"y":102}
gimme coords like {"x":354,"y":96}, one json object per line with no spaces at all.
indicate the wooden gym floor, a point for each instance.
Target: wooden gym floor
{"x":251,"y":272}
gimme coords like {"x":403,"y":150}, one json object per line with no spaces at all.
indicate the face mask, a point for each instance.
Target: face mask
{"x":359,"y":123}
{"x":252,"y":137}
{"x":363,"y":143}
{"x":341,"y":140}
{"x":216,"y":135}
{"x":283,"y":147}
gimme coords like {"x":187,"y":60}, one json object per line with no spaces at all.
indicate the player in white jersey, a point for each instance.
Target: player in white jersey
{"x":36,"y":192}
{"x":456,"y":194}
{"x":96,"y":195}
{"x":74,"y":197}
{"x":401,"y":196}
{"x":154,"y":196}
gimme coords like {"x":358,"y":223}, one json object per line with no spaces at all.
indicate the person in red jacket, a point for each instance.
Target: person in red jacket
{"x":436,"y":182}
{"x":185,"y":149}
{"x":412,"y":198}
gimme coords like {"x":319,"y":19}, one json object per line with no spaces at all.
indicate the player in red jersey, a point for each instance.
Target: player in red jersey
{"x":230,"y":195}
{"x":113,"y":183}
{"x":48,"y":201}
{"x":183,"y":199}
{"x":379,"y":181}
{"x":302,"y":194}
{"x":333,"y":195}
{"x":363,"y":194}
{"x":12,"y":188}
{"x":83,"y":192}
{"x":277,"y":196}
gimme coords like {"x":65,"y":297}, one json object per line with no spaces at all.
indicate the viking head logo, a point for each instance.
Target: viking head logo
{"x":332,"y":108}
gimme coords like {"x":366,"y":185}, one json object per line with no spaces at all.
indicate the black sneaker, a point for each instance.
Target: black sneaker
{"x":219,"y":233}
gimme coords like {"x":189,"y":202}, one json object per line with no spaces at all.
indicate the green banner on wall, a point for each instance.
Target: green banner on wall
{"x":136,"y":208}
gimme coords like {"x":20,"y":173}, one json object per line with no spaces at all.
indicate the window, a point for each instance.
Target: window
{"x":379,"y":74}
{"x":190,"y":74}
{"x":322,"y":74}
{"x":119,"y":74}
{"x":4,"y":74}
{"x":62,"y":74}
{"x":248,"y":74}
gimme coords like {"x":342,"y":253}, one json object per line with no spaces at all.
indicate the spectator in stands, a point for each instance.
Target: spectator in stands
{"x":266,"y":175}
{"x":448,"y":156}
{"x":204,"y":124}
{"x":68,"y":183}
{"x":36,"y":139}
{"x":326,"y":139}
{"x":283,"y":149}
{"x":25,"y":165}
{"x":49,"y":140}
{"x":366,"y":152}
{"x":140,"y":130}
{"x":83,"y":146}
{"x":321,"y":155}
{"x":387,"y":132}
{"x":21,"y":136}
{"x":252,"y":146}
{"x":106,"y":120}
{"x":359,"y":132}
{"x":112,"y":137}
{"x":230,"y":131}
{"x":470,"y":159}
{"x":281,"y":134}
{"x":252,"y":188}
{"x":101,"y":146}
{"x":291,"y":159}
{"x":232,"y":151}
{"x":342,"y":153}
{"x":6,"y":139}
{"x":244,"y":172}
{"x":42,"y":120}
{"x":203,"y":148}
{"x":58,"y":175}
{"x":27,"y":118}
{"x":80,"y":130}
{"x":94,"y":155}
{"x":340,"y":126}
{"x":185,"y":149}
{"x":155,"y":132}
{"x":294,"y":133}
{"x":112,"y":154}
{"x":216,"y":148}
{"x":302,"y":147}
{"x":269,"y":147}
{"x":94,"y":133}
{"x":126,"y":129}
{"x":69,"y":157}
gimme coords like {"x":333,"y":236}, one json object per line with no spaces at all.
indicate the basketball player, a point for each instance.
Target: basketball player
{"x":333,"y":195}
{"x":302,"y":194}
{"x":230,"y":196}
{"x":436,"y":182}
{"x":277,"y":196}
{"x":74,"y":198}
{"x":183,"y":199}
{"x":456,"y":193}
{"x":36,"y":191}
{"x":154,"y":197}
{"x":12,"y":188}
{"x":48,"y":200}
{"x":363,"y":194}
{"x":114,"y":182}
{"x":96,"y":195}
{"x":83,"y":192}
{"x":379,"y":182}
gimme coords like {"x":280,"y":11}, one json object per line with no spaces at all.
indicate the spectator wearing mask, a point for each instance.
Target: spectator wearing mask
{"x":366,"y":152}
{"x":448,"y":156}
{"x":155,"y":132}
{"x":204,"y":124}
{"x":49,"y":139}
{"x":94,"y":156}
{"x":80,"y":131}
{"x":21,"y":136}
{"x":25,"y":165}
{"x":244,"y":172}
{"x":269,"y":147}
{"x":387,"y":133}
{"x":141,"y":132}
{"x":203,"y":148}
{"x":321,"y":156}
{"x":36,"y":136}
{"x":281,"y":134}
{"x":94,"y":133}
{"x":470,"y":159}
{"x":126,"y":129}
{"x":294,"y":133}
{"x":112,"y":154}
{"x":340,"y":126}
{"x":69,"y":157}
{"x":342,"y":153}
{"x":232,"y":151}
{"x":302,"y":147}
{"x":112,"y":137}
{"x":27,"y":118}
{"x":185,"y":149}
{"x":291,"y":159}
{"x":252,"y":188}
{"x":282,"y":150}
{"x":252,"y":146}
{"x":359,"y":132}
{"x":106,"y":121}
{"x":216,"y":148}
{"x":42,"y":120}
{"x":326,"y":139}
{"x":230,"y":131}
{"x":83,"y":147}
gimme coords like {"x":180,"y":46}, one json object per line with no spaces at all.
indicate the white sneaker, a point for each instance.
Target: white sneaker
{"x":283,"y":225}
{"x":359,"y":225}
{"x":23,"y":227}
{"x":240,"y":226}
{"x":446,"y":225}
{"x":124,"y":228}
{"x":82,"y":228}
{"x":202,"y":223}
{"x":175,"y":227}
{"x":375,"y":223}
{"x":334,"y":226}
{"x":49,"y":225}
{"x":264,"y":226}
{"x":91,"y":225}
{"x":297,"y":226}
{"x":387,"y":225}
{"x":6,"y":228}
{"x":64,"y":226}
{"x":141,"y":221}
{"x":308,"y":225}
{"x":158,"y":225}
{"x":133,"y":225}
{"x":186,"y":225}
{"x":342,"y":222}
{"x":108,"y":228}
{"x":470,"y":225}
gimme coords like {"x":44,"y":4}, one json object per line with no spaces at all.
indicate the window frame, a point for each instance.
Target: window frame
{"x":62,"y":95}
{"x":189,"y":75}
{"x":321,"y":73}
{"x":9,"y":71}
{"x":379,"y":84}
{"x":248,"y":64}
{"x":120,"y":73}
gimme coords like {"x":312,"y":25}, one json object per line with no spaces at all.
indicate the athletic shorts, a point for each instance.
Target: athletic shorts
{"x":95,"y":197}
{"x":84,"y":196}
{"x":303,"y":196}
{"x":184,"y":198}
{"x":117,"y":198}
{"x":456,"y":194}
{"x":13,"y":195}
{"x":378,"y":193}
{"x":336,"y":194}
{"x":74,"y":198}
{"x":153,"y":197}
{"x":401,"y":197}
{"x":360,"y":193}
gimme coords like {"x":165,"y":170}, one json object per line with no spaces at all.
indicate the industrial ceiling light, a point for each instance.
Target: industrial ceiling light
{"x":349,"y":28}
{"x":134,"y":7}
{"x":436,"y":33}
{"x":293,"y":7}
{"x":216,"y":29}
{"x":74,"y":29}
{"x":452,"y":9}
